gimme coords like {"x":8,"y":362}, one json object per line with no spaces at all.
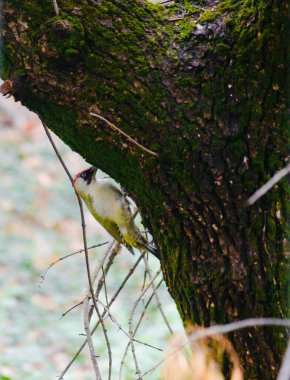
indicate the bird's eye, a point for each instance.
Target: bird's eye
{"x":83,"y":175}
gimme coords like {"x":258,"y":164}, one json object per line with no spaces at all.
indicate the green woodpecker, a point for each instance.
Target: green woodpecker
{"x":111,"y":209}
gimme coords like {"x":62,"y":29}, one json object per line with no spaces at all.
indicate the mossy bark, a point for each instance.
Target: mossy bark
{"x":210,"y":98}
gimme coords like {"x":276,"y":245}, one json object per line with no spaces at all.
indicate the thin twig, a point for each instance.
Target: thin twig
{"x":178,"y":18}
{"x":192,"y":5}
{"x":284,"y":372}
{"x":165,"y":1}
{"x":138,"y":372}
{"x":137,"y":326}
{"x":113,"y":253}
{"x":101,"y":320}
{"x":89,"y":311}
{"x":86,"y":252}
{"x":145,"y":274}
{"x":57,"y":153}
{"x":157,"y":296}
{"x":107,"y":342}
{"x":71,"y":308}
{"x":114,"y":320}
{"x":268,"y":185}
{"x":83,"y":224}
{"x":224,"y":329}
{"x":42,"y":277}
{"x":129,"y":274}
{"x":56,"y":8}
{"x":137,"y":369}
{"x":105,"y":331}
{"x":94,"y":275}
{"x":105,"y":287}
{"x":198,"y":7}
{"x":113,"y":126}
{"x":101,"y":262}
{"x":89,"y":339}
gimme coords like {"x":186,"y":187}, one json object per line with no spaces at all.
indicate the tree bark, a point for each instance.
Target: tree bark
{"x":208,"y":94}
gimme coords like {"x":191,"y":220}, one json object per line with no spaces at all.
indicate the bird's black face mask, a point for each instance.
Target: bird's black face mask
{"x":87,"y":175}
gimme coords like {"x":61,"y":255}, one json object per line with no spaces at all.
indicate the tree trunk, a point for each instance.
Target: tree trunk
{"x":209,"y":97}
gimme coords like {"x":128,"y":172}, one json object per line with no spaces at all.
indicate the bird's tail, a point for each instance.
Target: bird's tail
{"x":130,"y":249}
{"x":151,"y":247}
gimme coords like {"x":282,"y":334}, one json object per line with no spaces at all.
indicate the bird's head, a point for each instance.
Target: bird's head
{"x":83,"y":179}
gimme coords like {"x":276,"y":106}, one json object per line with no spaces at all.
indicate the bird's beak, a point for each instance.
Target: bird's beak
{"x":91,"y":174}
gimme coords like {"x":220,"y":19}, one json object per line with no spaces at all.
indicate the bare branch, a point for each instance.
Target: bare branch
{"x":268,"y":185}
{"x":101,"y":320}
{"x":172,"y":1}
{"x":57,"y":153}
{"x":86,"y":252}
{"x":114,"y":320}
{"x":90,"y":340}
{"x":95,"y":273}
{"x":105,"y":287}
{"x":284,"y":373}
{"x":129,"y":274}
{"x":55,"y":6}
{"x":157,"y":296}
{"x":88,"y":310}
{"x":87,"y":316}
{"x":138,"y":372}
{"x":113,"y":253}
{"x":105,"y":332}
{"x":223,"y":329}
{"x":71,"y":308}
{"x":101,"y":261}
{"x":81,"y":212}
{"x":145,"y":273}
{"x":137,"y":326}
{"x":113,"y":126}
{"x":198,"y":7}
{"x":42,"y":277}
{"x":177,"y":18}
{"x":246,"y":323}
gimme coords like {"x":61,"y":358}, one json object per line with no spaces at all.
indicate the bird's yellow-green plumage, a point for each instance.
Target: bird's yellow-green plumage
{"x":111,"y":209}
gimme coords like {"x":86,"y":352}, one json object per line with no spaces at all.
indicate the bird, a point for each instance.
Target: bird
{"x":111,"y":208}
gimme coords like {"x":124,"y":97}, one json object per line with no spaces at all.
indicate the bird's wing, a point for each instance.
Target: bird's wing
{"x":109,"y":225}
{"x":123,"y":202}
{"x":113,"y":229}
{"x":109,"y":185}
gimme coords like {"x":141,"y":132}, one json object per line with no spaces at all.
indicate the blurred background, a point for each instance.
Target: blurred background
{"x":39,"y":223}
